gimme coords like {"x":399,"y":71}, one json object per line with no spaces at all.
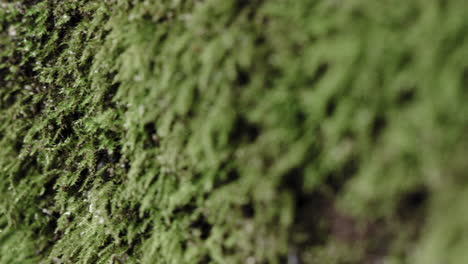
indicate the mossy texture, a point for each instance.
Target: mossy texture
{"x":233,"y":131}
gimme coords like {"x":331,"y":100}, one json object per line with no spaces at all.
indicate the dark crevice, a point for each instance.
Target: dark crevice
{"x":112,"y":90}
{"x":186,"y":209}
{"x":464,"y":77}
{"x":230,"y":176}
{"x":313,"y":220}
{"x":18,"y":146}
{"x":377,"y":126}
{"x":330,"y":107}
{"x":151,"y":139}
{"x":65,"y":129}
{"x":412,"y":203}
{"x":243,"y":78}
{"x":105,"y":159}
{"x":248,"y":210}
{"x":203,"y":226}
{"x":244,"y":131}
{"x":10,"y":99}
{"x":406,"y":96}
{"x":27,"y":164}
{"x":321,"y":71}
{"x":206,"y":259}
{"x":75,"y":188}
{"x":308,"y":228}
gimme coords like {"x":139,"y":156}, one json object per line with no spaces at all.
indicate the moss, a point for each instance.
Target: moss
{"x":232,"y":131}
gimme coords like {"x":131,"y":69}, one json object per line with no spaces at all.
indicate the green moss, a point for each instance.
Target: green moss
{"x":233,"y":131}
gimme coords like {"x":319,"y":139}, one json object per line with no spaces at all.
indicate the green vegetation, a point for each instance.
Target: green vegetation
{"x":233,"y":131}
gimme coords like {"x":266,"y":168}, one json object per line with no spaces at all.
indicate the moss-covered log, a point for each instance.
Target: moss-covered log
{"x":233,"y":131}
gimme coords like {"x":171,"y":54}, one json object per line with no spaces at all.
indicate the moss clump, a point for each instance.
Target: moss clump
{"x":227,"y":131}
